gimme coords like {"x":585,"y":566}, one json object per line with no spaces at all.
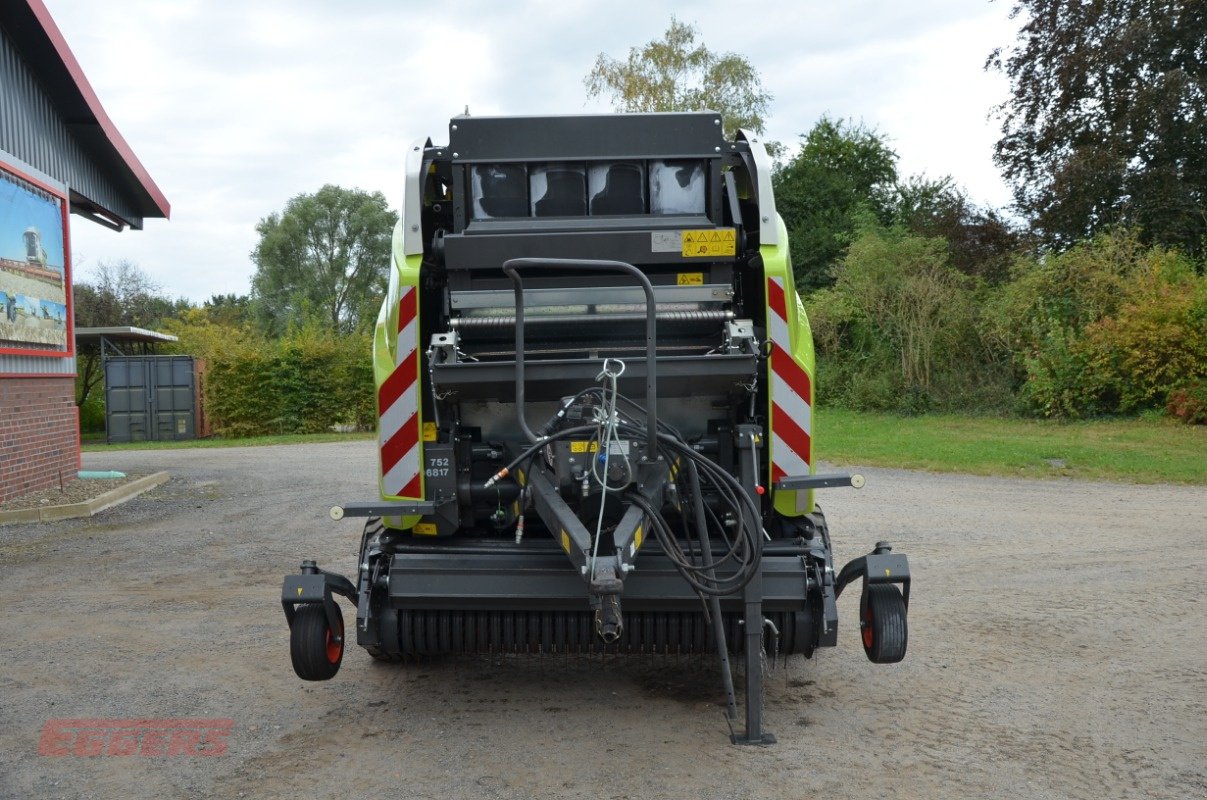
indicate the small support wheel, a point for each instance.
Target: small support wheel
{"x":316,"y":653}
{"x":882,"y":623}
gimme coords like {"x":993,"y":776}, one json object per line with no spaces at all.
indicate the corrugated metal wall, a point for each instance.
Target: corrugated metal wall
{"x":31,"y":130}
{"x":36,"y":365}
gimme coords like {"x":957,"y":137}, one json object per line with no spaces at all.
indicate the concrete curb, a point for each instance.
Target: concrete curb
{"x":87,"y":508}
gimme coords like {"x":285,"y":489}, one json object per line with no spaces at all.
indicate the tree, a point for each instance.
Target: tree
{"x":979,"y":241}
{"x":232,"y":310}
{"x":675,"y":73}
{"x":1106,"y":124}
{"x":842,"y":172}
{"x":118,"y":294}
{"x":327,"y":253}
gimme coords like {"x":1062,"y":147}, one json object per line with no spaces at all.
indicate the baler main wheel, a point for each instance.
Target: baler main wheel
{"x":316,"y":650}
{"x":882,"y":623}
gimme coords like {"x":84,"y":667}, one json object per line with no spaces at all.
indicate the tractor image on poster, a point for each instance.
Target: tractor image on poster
{"x":595,"y":411}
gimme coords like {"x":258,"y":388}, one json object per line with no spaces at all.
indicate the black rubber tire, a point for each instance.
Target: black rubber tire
{"x":316,"y":656}
{"x":882,"y":623}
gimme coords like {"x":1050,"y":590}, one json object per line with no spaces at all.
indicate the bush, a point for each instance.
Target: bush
{"x":1157,"y":340}
{"x":898,"y":331}
{"x":92,"y":412}
{"x":306,"y":382}
{"x":1189,"y":404}
{"x":1107,"y":327}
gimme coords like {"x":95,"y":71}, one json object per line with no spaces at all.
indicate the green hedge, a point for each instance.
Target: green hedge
{"x":292,"y":387}
{"x":306,"y":382}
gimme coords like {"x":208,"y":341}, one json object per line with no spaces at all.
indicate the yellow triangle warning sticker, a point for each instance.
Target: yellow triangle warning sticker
{"x":709,"y":243}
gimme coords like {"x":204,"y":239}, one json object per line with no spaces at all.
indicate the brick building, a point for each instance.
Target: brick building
{"x":61,"y":158}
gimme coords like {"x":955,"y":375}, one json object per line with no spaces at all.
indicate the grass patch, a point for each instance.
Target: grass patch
{"x":251,"y":441}
{"x":1140,"y":450}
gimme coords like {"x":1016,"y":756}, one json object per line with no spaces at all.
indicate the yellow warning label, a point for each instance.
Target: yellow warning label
{"x":429,"y":431}
{"x":706,"y":244}
{"x":566,"y":541}
{"x":584,"y":446}
{"x":638,"y":536}
{"x":425,"y":529}
{"x":690,"y":278}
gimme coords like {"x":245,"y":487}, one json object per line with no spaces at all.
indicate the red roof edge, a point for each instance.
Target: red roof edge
{"x":94,"y":105}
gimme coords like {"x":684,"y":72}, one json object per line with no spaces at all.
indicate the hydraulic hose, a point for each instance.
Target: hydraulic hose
{"x":512,"y":266}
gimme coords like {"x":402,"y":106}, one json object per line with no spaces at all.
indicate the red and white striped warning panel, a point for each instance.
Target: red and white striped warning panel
{"x":398,"y":405}
{"x":791,"y":393}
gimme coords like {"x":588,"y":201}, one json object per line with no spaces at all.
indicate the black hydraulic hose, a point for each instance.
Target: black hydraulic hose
{"x":520,"y":407}
{"x":531,"y":451}
{"x":714,"y":602}
{"x":511,"y":267}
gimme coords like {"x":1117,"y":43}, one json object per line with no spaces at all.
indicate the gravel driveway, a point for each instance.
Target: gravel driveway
{"x":1058,"y":649}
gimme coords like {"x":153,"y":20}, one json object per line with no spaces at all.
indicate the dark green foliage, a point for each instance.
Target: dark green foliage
{"x":843,"y":174}
{"x":979,"y":241}
{"x":229,"y":309}
{"x":303,"y":382}
{"x":326,"y":256}
{"x":898,"y":331}
{"x":1105,"y":125}
{"x":92,"y":413}
{"x":300,"y":384}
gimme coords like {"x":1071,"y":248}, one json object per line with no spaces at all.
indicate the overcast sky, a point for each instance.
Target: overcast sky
{"x":234,"y":106}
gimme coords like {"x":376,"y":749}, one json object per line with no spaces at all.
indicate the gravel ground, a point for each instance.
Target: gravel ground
{"x":1057,"y":650}
{"x":75,"y":492}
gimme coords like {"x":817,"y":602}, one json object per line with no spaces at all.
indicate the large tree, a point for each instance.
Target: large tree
{"x":1107,"y":119}
{"x":843,"y":171}
{"x":677,"y":73}
{"x":326,"y":254}
{"x":980,"y":242}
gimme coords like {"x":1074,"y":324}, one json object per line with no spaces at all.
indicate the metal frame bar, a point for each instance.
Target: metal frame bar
{"x":748,"y":439}
{"x":383,"y":508}
{"x":830,"y":481}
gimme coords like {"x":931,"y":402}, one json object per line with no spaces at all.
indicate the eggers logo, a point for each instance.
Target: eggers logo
{"x":135,"y":737}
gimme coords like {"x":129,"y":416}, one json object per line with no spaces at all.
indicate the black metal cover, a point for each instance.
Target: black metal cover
{"x":586,"y":137}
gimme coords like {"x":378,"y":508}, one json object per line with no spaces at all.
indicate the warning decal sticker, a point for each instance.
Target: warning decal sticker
{"x":710,"y":244}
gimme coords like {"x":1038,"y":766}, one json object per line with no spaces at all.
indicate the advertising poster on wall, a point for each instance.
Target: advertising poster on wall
{"x":34,"y":311}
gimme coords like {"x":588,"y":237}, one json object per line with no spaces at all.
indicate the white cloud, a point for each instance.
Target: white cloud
{"x":235,"y":107}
